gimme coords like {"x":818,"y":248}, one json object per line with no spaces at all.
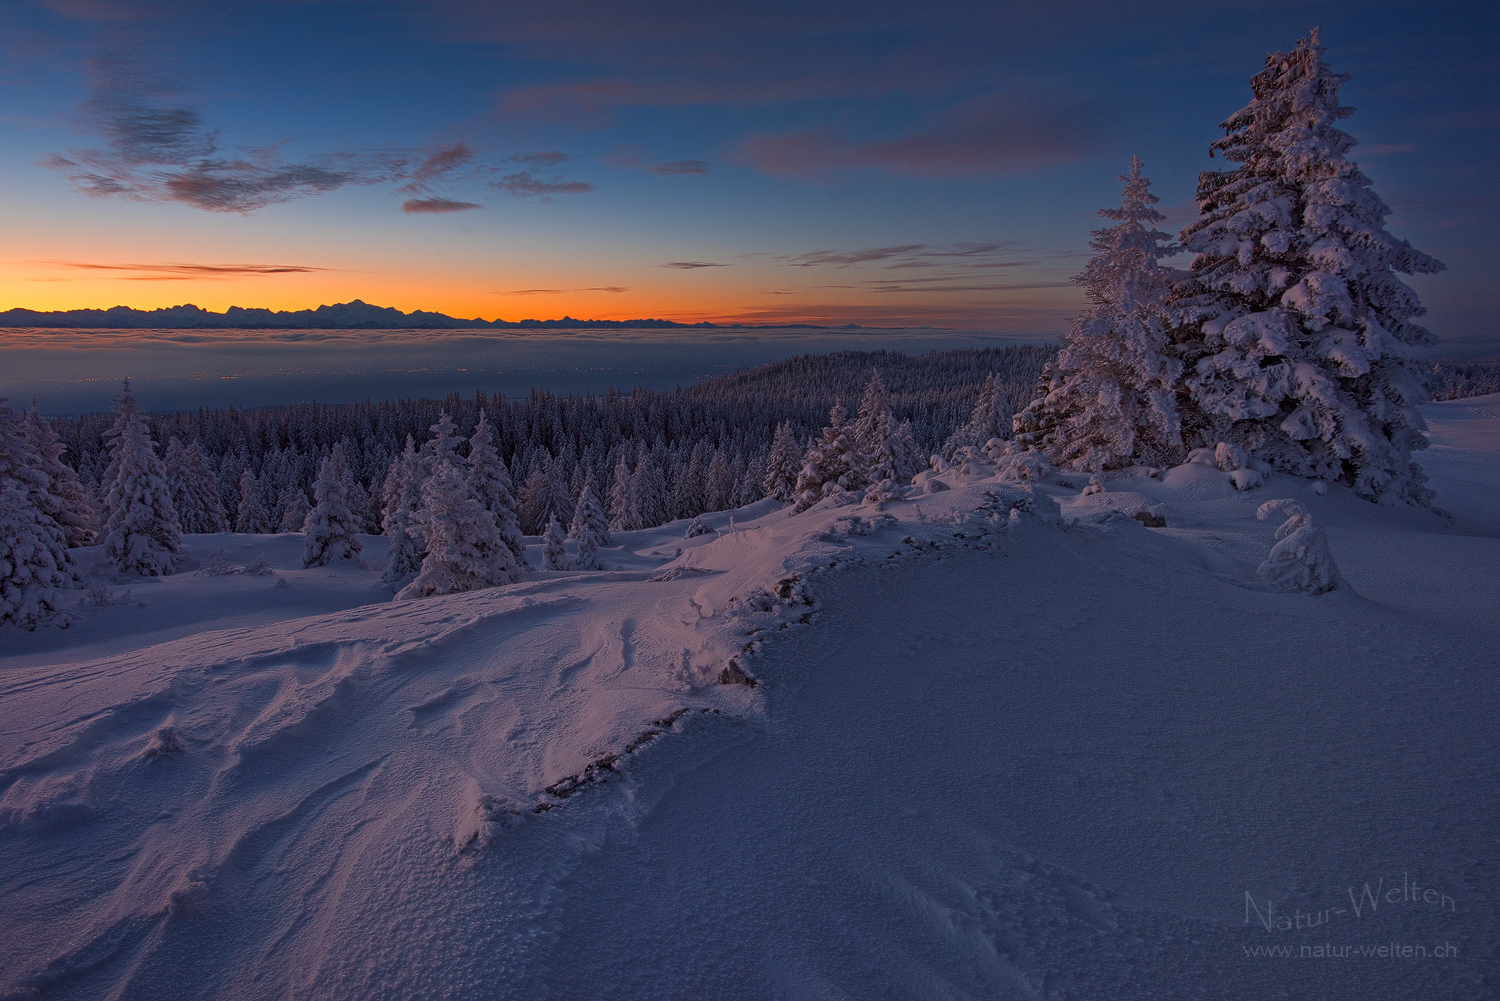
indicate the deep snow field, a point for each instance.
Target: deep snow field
{"x":990,"y":752}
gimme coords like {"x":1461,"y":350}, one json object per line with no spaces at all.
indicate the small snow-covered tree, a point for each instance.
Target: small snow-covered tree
{"x":141,"y":534}
{"x":65,"y":500}
{"x":251,"y":516}
{"x":1300,"y":330}
{"x":464,"y":548}
{"x":492,"y":486}
{"x":1301,"y":559}
{"x":1111,"y":400}
{"x":588,"y":516}
{"x":783,"y":465}
{"x":696,"y":528}
{"x":402,"y":495}
{"x":554,"y":546}
{"x":331,"y":527}
{"x":294,"y":509}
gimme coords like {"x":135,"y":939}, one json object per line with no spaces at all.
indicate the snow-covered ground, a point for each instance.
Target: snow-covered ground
{"x":1049,"y":754}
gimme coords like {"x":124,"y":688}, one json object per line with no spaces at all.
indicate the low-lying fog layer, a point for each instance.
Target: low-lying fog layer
{"x":71,"y":371}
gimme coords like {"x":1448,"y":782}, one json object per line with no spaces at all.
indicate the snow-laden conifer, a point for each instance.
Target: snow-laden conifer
{"x":402,"y":496}
{"x":492,"y":486}
{"x":293,"y":508}
{"x":1301,"y":559}
{"x":832,"y":461}
{"x":141,"y":534}
{"x":33,"y":561}
{"x":990,"y":419}
{"x":331,"y":527}
{"x":250,"y":516}
{"x":624,"y":514}
{"x":464,"y":548}
{"x":588,"y":517}
{"x":783,"y":465}
{"x":1110,"y":399}
{"x":648,"y":485}
{"x":194,"y":488}
{"x":696,"y":528}
{"x":554,"y":546}
{"x":1301,"y":330}
{"x":65,"y":500}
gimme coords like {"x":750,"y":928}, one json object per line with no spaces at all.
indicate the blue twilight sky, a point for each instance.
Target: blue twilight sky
{"x":888,"y":163}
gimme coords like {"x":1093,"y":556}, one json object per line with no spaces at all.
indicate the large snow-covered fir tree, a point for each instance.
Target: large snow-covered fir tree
{"x":494,"y":489}
{"x":464,"y":548}
{"x":65,"y":501}
{"x":292,"y":508}
{"x":331,"y":526}
{"x":829,"y":461}
{"x":141,"y":534}
{"x":1301,"y":329}
{"x":588,"y":516}
{"x":1109,"y":398}
{"x":624,"y":515}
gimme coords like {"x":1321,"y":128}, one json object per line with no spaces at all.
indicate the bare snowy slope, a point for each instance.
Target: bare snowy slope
{"x":1046,"y":753}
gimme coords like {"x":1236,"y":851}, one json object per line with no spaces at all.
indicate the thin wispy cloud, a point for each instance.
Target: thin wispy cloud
{"x":691,"y":265}
{"x":525,"y":185}
{"x":566,"y":291}
{"x":971,"y":255}
{"x":815,"y":258}
{"x":698,"y":167}
{"x":437,"y":205}
{"x":169,"y":271}
{"x":997,"y":133}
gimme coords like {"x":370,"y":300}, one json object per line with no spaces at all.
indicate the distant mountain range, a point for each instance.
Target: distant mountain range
{"x":354,"y":315}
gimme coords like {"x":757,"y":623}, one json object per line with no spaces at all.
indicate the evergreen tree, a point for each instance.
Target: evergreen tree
{"x":719,"y":482}
{"x":588,"y":517}
{"x":554,"y":547}
{"x":141,"y":534}
{"x":294,"y":509}
{"x":696,"y":528}
{"x":624,"y":514}
{"x":331,"y":527}
{"x":783,"y":465}
{"x":464,"y":548}
{"x":33,"y":560}
{"x":1299,"y":327}
{"x":831,"y":462}
{"x":535,"y":502}
{"x":251,"y":516}
{"x":749,"y":490}
{"x":402,"y":494}
{"x":492,"y":486}
{"x":990,"y":418}
{"x":65,"y":501}
{"x":1111,"y":401}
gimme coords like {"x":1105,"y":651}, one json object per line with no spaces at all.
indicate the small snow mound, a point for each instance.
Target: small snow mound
{"x":1301,"y":559}
{"x":697,"y":528}
{"x":163,"y":743}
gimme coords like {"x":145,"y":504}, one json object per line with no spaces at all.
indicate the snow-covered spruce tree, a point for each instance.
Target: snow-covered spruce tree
{"x":783,"y":465}
{"x":554,"y":546}
{"x":331,"y":526}
{"x":1301,"y":329}
{"x":251,"y":516}
{"x":492,"y":486}
{"x":588,"y":516}
{"x":293,"y":508}
{"x":65,"y":501}
{"x":464,"y":548}
{"x":990,"y":419}
{"x":648,"y":486}
{"x":141,"y":533}
{"x":1111,"y":395}
{"x":402,"y":496}
{"x":33,"y":560}
{"x":624,"y":515}
{"x":832,"y":461}
{"x":697,"y":527}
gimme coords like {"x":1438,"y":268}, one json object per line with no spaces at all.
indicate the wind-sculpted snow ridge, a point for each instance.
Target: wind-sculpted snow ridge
{"x":415,"y":798}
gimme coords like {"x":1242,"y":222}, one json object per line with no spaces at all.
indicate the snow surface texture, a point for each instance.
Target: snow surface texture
{"x":1010,"y":743}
